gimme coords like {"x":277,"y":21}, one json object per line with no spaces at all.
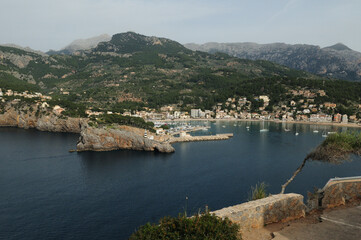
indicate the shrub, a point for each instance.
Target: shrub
{"x":338,"y":147}
{"x":257,"y":192}
{"x":199,"y":227}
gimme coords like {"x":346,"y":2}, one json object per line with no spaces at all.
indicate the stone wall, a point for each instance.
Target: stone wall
{"x":256,"y":214}
{"x":340,"y":191}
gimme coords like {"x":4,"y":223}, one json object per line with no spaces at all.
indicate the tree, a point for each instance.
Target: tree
{"x":335,"y":149}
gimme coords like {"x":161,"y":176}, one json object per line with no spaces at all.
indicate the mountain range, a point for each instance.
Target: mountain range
{"x":337,"y":61}
{"x":132,"y":70}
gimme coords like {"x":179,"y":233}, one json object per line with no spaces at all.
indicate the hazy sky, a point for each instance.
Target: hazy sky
{"x":52,"y":24}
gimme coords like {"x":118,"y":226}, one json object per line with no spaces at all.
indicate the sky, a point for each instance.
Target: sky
{"x":53,"y":24}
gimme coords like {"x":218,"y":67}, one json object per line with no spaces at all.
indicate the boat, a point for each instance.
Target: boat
{"x":287,"y":130}
{"x":263,"y":129}
{"x":315,"y":131}
{"x":297,"y":133}
{"x":223,"y":126}
{"x":331,"y":132}
{"x":324,"y":134}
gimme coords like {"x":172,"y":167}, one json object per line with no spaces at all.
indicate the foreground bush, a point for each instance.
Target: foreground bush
{"x":200,"y":227}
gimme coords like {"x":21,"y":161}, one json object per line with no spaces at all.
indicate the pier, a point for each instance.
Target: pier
{"x":189,"y":138}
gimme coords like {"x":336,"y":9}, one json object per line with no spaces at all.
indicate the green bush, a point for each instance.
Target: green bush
{"x":165,"y":126}
{"x":199,"y":227}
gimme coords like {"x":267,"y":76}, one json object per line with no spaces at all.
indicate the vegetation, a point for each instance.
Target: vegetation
{"x":258,"y":192}
{"x":8,"y":81}
{"x":199,"y":227}
{"x":336,"y":148}
{"x":109,"y":119}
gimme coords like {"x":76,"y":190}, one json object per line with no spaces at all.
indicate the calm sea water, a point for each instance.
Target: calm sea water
{"x":48,"y":193}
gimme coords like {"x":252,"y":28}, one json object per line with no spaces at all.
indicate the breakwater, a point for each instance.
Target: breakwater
{"x":189,"y":138}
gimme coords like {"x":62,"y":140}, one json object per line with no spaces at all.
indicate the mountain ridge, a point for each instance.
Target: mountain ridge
{"x":336,"y":61}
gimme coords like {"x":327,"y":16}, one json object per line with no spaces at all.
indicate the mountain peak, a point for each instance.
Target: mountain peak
{"x":130,"y":42}
{"x":339,"y":47}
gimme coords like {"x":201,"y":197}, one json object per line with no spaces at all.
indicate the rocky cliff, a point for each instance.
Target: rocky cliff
{"x":33,"y":116}
{"x":107,"y":139}
{"x":18,"y":114}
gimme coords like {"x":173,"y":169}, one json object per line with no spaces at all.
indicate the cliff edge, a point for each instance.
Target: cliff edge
{"x":34,"y":116}
{"x":118,"y":137}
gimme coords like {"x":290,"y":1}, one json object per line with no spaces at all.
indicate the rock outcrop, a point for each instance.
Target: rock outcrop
{"x":32,"y":117}
{"x":107,"y":139}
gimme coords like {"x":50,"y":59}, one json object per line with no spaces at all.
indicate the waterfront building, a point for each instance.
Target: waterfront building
{"x":337,"y":117}
{"x":320,"y":118}
{"x":344,"y":118}
{"x":195,"y":113}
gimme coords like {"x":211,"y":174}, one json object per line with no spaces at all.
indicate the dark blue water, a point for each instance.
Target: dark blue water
{"x":48,"y":193}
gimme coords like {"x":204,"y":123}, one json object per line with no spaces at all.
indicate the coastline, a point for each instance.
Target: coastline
{"x":353,"y":125}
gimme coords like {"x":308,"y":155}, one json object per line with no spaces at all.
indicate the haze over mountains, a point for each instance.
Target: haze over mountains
{"x":337,"y":61}
{"x":82,"y":44}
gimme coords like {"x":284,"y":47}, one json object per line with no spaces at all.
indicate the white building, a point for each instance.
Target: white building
{"x":344,"y":118}
{"x":197,"y":113}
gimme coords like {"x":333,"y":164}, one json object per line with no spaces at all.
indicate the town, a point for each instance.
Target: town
{"x":301,"y":108}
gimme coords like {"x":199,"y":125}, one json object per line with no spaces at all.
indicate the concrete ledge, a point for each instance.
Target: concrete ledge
{"x":256,"y":214}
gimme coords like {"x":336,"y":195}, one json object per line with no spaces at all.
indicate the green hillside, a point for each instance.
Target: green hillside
{"x":132,"y":70}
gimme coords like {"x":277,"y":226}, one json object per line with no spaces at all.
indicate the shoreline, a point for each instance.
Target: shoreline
{"x":353,"y":125}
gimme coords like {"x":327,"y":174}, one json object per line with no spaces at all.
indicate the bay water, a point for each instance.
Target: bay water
{"x":48,"y":193}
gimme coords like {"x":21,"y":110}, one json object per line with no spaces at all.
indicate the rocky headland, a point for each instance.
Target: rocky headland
{"x":119,"y":137}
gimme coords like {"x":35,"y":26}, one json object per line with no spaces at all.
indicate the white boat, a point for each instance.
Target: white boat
{"x":287,"y":130}
{"x":263,"y":129}
{"x":324,"y":134}
{"x":297,"y":133}
{"x":331,"y":132}
{"x":315,"y":131}
{"x":223,"y":126}
{"x":247,"y":127}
